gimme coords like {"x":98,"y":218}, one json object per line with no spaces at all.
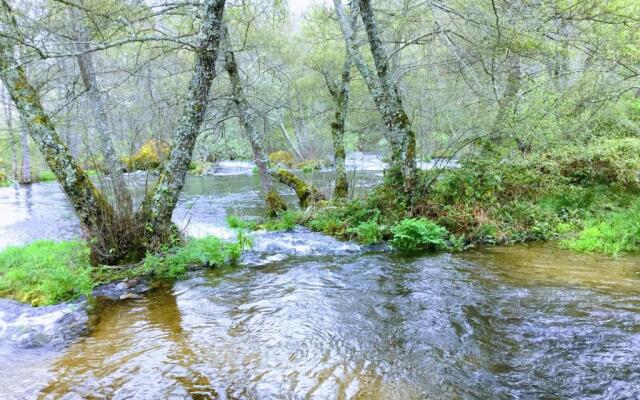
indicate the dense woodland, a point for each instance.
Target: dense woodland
{"x":539,"y":102}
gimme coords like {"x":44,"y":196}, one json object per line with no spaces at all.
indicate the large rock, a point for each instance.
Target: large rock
{"x":27,"y":327}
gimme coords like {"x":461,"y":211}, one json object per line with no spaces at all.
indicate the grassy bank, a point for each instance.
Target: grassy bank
{"x":588,"y":197}
{"x":46,"y":272}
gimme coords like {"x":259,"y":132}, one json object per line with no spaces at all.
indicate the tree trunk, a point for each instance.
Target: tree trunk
{"x":275,"y":204}
{"x":340,"y":94}
{"x":8,"y":115}
{"x":159,"y":205}
{"x":289,"y":141}
{"x":384,"y":91}
{"x":307,"y":193}
{"x":92,"y":209}
{"x":506,"y":102}
{"x":111,"y":161}
{"x":25,"y":170}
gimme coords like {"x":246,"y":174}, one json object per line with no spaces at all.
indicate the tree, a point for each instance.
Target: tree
{"x":384,"y":91}
{"x":274,"y":202}
{"x":339,"y":91}
{"x":114,"y":237}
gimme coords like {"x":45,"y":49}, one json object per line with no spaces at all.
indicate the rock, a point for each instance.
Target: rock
{"x":269,"y":247}
{"x":26,"y":327}
{"x":128,"y":296}
{"x":129,"y":289}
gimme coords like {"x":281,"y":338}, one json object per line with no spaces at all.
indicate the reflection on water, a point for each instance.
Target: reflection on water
{"x":499,"y":323}
{"x":503,"y":322}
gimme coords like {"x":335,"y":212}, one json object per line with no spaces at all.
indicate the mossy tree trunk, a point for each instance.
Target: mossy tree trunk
{"x":113,"y":240}
{"x":274,"y":202}
{"x":8,"y":116}
{"x":111,"y":161}
{"x":159,"y":205}
{"x":340,"y":93}
{"x":25,"y":155}
{"x":307,"y":193}
{"x":94,"y":212}
{"x":384,"y":91}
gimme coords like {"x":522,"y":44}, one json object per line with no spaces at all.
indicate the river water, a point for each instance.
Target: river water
{"x":305,"y":316}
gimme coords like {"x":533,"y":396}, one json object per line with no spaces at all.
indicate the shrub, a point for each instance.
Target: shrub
{"x":45,"y":272}
{"x":207,"y":251}
{"x":413,"y":234}
{"x":368,"y":232}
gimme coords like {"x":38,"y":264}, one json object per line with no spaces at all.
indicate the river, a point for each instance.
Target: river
{"x":305,"y":316}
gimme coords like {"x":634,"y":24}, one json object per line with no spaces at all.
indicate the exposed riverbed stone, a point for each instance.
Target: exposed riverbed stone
{"x":28,"y":327}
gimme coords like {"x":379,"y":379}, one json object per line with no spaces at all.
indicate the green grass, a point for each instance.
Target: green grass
{"x":45,"y":272}
{"x":285,"y":221}
{"x":614,"y":233}
{"x":45,"y":176}
{"x":210,"y":251}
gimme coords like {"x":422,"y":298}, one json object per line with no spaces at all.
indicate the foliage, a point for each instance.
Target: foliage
{"x":283,"y":221}
{"x":45,"y":176}
{"x":413,"y":234}
{"x":208,"y":251}
{"x":236,"y":222}
{"x":4,"y":180}
{"x":367,"y":232}
{"x":45,"y":272}
{"x":614,"y":233}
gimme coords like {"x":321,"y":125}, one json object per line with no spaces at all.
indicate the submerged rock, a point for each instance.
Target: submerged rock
{"x":27,"y":327}
{"x":130,"y":289}
{"x":271,"y":247}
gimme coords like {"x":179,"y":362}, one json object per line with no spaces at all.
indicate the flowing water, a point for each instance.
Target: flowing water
{"x":305,"y":316}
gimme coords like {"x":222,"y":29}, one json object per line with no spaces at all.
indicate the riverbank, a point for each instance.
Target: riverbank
{"x":586,"y":198}
{"x":46,"y":272}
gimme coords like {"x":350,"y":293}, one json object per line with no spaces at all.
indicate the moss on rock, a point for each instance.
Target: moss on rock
{"x":150,"y":156}
{"x":282,"y":158}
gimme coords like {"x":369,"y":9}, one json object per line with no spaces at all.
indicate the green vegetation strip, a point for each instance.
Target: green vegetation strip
{"x":46,"y":272}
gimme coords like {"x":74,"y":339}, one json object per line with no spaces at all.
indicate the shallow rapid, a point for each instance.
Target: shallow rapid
{"x":306,"y":316}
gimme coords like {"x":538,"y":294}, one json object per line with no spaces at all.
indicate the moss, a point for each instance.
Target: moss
{"x":307,"y":194}
{"x":150,"y":156}
{"x":282,"y":158}
{"x":275,"y":204}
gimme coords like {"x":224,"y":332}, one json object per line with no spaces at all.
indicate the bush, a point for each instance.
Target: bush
{"x":207,"y":251}
{"x":45,"y":272}
{"x":368,"y":232}
{"x":150,"y":156}
{"x":413,"y":234}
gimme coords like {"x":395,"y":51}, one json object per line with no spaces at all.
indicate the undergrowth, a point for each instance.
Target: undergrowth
{"x":46,"y":272}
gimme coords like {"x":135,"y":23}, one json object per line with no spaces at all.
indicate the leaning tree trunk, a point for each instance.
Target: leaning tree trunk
{"x":340,"y":94}
{"x":159,"y":205}
{"x":111,"y":161}
{"x":384,"y":91}
{"x":306,"y":192}
{"x":25,"y":159}
{"x":8,"y":115}
{"x":274,"y":202}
